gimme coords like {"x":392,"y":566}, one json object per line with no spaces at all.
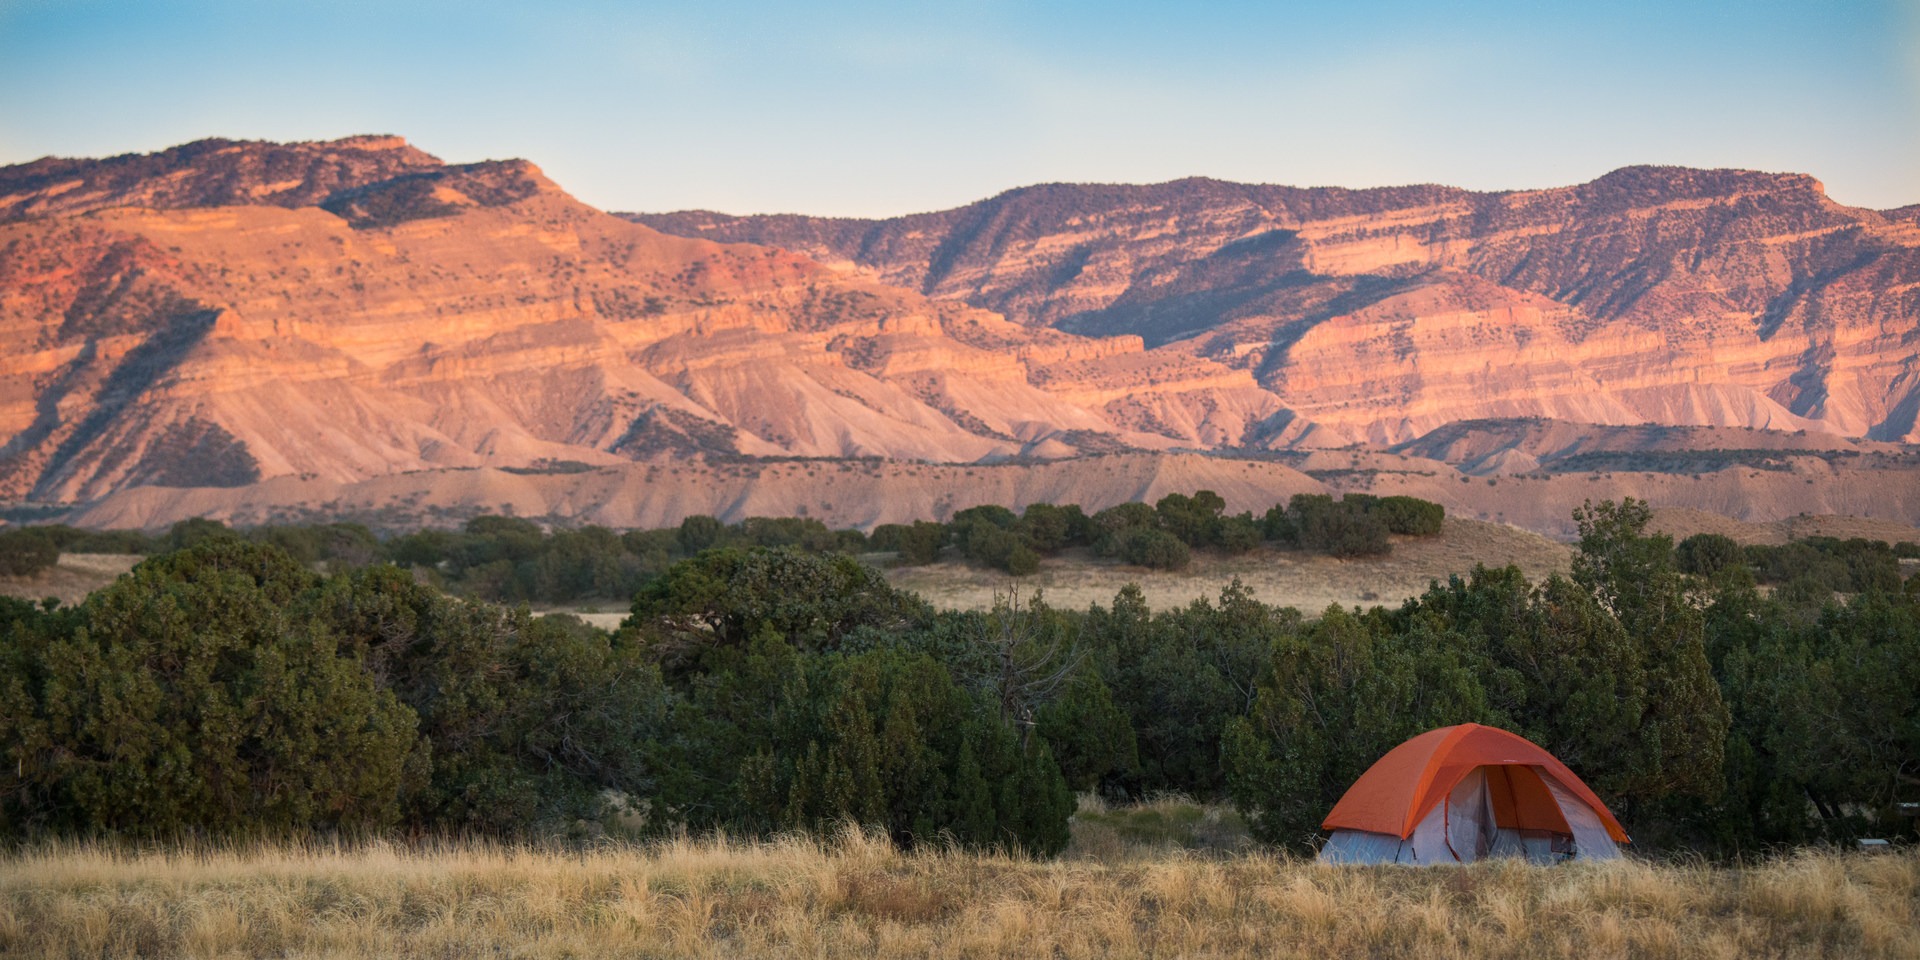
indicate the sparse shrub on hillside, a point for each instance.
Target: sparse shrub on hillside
{"x":990,"y":515}
{"x":1194,"y":520}
{"x":1125,"y":516}
{"x":1021,"y":561}
{"x":1339,"y":528}
{"x":1706,"y":554}
{"x":1356,"y":525}
{"x":1411,"y":516}
{"x":916,"y":543}
{"x":1280,"y":526}
{"x":1152,"y":548}
{"x":985,"y":534}
{"x":1049,"y":528}
{"x":993,"y":536}
{"x":1238,"y":534}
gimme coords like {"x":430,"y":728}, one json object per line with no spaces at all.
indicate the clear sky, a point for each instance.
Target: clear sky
{"x":881,"y":108}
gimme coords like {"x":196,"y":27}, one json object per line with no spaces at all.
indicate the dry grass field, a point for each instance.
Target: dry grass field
{"x":1292,"y":578}
{"x":1076,"y":579}
{"x":1113,"y":895}
{"x":72,"y":578}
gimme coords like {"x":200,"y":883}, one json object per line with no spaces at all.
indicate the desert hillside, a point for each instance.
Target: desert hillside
{"x":255,"y":331}
{"x":1652,"y":295}
{"x":225,"y":313}
{"x":865,"y":493}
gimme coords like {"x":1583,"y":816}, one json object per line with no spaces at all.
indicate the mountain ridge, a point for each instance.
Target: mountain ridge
{"x":354,"y":308}
{"x":241,"y":314}
{"x":1718,"y":263}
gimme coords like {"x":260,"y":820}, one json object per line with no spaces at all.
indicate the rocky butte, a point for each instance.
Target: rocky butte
{"x":252,"y":330}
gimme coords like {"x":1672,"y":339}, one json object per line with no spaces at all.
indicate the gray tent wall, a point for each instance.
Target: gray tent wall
{"x":1462,"y":830}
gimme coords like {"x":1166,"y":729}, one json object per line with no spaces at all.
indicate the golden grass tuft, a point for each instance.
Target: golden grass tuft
{"x":858,"y":895}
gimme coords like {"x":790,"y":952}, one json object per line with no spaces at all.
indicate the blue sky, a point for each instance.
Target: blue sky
{"x":878,"y":108}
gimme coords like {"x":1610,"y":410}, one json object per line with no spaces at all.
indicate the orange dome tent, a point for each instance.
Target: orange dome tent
{"x":1459,"y":794}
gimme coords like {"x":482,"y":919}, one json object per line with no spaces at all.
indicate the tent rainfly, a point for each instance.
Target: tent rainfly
{"x":1465,"y":793}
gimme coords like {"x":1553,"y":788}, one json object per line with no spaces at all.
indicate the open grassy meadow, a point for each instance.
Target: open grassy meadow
{"x":1159,"y":881}
{"x":1305,"y":581}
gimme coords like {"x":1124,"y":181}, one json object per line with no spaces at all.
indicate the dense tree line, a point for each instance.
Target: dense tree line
{"x":1704,"y":713}
{"x":808,"y":691}
{"x":225,"y":687}
{"x":1811,"y":567}
{"x":1164,"y":534}
{"x":511,"y":560}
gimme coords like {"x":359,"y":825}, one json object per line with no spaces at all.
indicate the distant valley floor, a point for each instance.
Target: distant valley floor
{"x":867,"y":492}
{"x":1305,"y":581}
{"x":1076,"y":579}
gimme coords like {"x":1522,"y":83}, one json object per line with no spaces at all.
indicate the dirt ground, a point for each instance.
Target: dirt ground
{"x":70,"y":580}
{"x":1306,"y":582}
{"x":1077,"y":579}
{"x":605,"y":617}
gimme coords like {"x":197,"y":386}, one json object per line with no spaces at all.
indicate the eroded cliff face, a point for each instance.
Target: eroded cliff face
{"x":1662,"y":295}
{"x":224,"y":313}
